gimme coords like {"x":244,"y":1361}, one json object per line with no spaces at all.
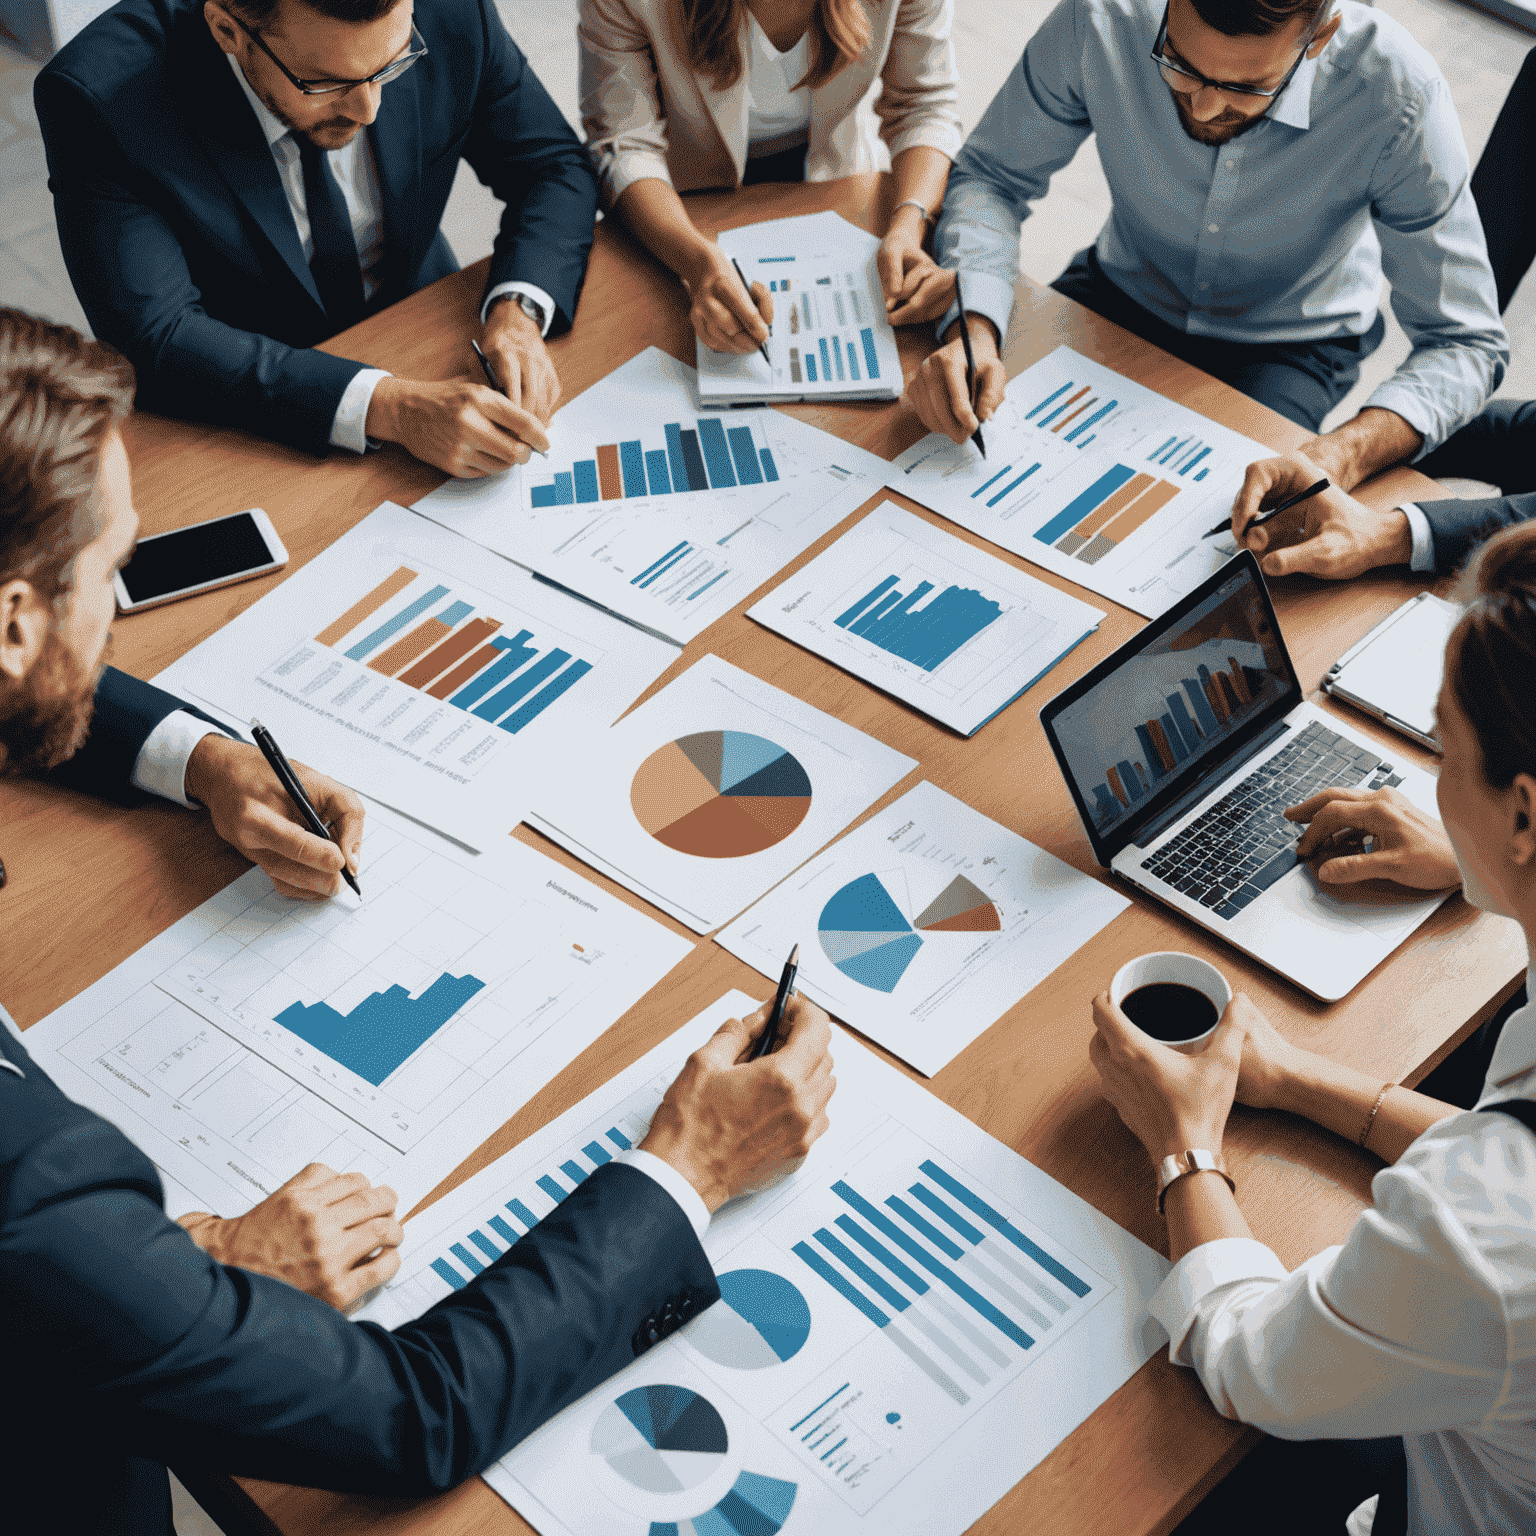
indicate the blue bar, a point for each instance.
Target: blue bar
{"x":836,"y":1448}
{"x":817,"y":1409}
{"x":995,"y":1219}
{"x":502,"y":1229}
{"x":1172,"y":452}
{"x":1186,"y":468}
{"x":1203,"y":711}
{"x":662,"y":570}
{"x":1194,"y":454}
{"x":675,"y":457}
{"x":466,"y":1258}
{"x":550,"y":1187}
{"x":655,"y":563}
{"x":717,"y":453}
{"x":1098,"y":415}
{"x":810,"y":366}
{"x":573,"y":1171}
{"x":1157,"y":451}
{"x":450,"y":1274}
{"x":656,"y":472}
{"x":993,"y":481}
{"x":843,"y":620}
{"x":585,"y":472}
{"x":826,"y":361}
{"x":946,"y":1213}
{"x":883,"y":628}
{"x":853,"y":362}
{"x":595,"y":1154}
{"x":1203,"y":473}
{"x":504,"y":698}
{"x":523,"y":1214}
{"x":1030,"y":415}
{"x":871,"y":357}
{"x":485,"y":1245}
{"x":846,"y":1288}
{"x":393,"y":626}
{"x":1080,"y":506}
{"x":770,"y":471}
{"x":1186,"y":725}
{"x":1149,"y":751}
{"x":875,"y":1246}
{"x":632,"y":462}
{"x":925,"y":1228}
{"x":565,"y":492}
{"x":837,"y":360}
{"x":1008,"y":490}
{"x":744,"y":451}
{"x":544,"y":697}
{"x":455,"y":613}
{"x":1130,"y":781}
{"x":882,"y":1288}
{"x":619,"y":1139}
{"x":1045,"y":421}
{"x":542,"y":496}
{"x":1175,"y":737}
{"x":698,"y":591}
{"x":1087,"y":440}
{"x":515,"y":654}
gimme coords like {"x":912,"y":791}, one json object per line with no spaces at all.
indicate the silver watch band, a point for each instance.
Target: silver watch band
{"x":1179,"y":1165}
{"x":912,"y":202}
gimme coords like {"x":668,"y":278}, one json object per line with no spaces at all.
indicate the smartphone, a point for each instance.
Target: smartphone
{"x":198,"y":558}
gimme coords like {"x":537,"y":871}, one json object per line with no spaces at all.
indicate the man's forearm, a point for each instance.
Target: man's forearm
{"x":1374,"y":440}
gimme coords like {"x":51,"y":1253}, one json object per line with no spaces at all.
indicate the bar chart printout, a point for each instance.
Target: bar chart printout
{"x":906,"y":1325}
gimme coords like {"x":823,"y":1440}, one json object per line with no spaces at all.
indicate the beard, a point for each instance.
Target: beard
{"x":1219,"y":130}
{"x":46,"y":718}
{"x":333,"y":133}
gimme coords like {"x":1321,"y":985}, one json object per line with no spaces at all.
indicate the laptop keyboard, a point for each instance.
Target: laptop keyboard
{"x":1242,"y":844}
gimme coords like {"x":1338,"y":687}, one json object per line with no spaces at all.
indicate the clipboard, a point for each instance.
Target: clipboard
{"x":1393,"y":674}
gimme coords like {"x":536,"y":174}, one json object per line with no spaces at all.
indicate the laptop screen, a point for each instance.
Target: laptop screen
{"x":1175,"y":697}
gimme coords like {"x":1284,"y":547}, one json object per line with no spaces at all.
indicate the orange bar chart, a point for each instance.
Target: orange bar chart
{"x":449,"y":652}
{"x":428,"y":633}
{"x":1117,"y":529}
{"x":610,"y":481}
{"x":365,"y":606}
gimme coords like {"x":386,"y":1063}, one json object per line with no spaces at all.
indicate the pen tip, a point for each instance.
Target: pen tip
{"x":794,"y":955}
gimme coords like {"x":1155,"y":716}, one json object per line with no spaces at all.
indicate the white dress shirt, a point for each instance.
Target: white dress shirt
{"x":778,"y":115}
{"x":357,"y":177}
{"x":1422,"y":1324}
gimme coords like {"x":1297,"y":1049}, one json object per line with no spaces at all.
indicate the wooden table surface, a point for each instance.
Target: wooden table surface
{"x":1149,"y":1453}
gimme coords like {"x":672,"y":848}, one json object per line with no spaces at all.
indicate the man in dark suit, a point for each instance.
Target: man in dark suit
{"x":237,"y":180}
{"x":131,"y":1340}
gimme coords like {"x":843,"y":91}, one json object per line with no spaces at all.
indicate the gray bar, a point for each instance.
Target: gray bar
{"x":1002,"y":1288}
{"x":925,"y":1365}
{"x":975,"y":1335}
{"x":950,"y":1348}
{"x":1016,"y":1269}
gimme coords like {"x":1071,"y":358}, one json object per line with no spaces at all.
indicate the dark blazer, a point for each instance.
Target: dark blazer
{"x":178,"y":235}
{"x":1459,"y":526}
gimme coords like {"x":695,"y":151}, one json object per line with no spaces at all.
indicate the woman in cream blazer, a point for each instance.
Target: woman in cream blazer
{"x":657,"y":125}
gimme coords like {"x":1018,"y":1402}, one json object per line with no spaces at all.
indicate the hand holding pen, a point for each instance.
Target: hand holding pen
{"x":294,"y":789}
{"x":1269,"y":514}
{"x":495,"y":383}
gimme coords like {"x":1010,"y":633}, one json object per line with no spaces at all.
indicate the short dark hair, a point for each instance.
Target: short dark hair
{"x":1257,"y":18}
{"x":61,"y":397}
{"x":259,"y":13}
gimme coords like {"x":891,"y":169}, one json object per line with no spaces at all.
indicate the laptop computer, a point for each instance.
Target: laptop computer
{"x":1182,"y":749}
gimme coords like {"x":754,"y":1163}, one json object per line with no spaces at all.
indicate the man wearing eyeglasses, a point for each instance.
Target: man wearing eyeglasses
{"x":236,"y":181}
{"x":1269,"y":161}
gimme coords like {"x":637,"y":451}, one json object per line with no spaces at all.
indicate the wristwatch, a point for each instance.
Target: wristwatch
{"x":1178,"y":1165}
{"x":529,"y":306}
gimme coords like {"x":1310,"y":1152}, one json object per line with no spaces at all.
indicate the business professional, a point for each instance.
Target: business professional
{"x":1422,"y":1324}
{"x":1501,"y":185}
{"x":236,"y":182}
{"x":679,"y":95}
{"x":1269,"y":160}
{"x":131,"y":1340}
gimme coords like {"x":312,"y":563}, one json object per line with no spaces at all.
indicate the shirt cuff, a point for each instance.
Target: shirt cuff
{"x":161,"y":766}
{"x":1225,"y":1261}
{"x":352,"y":414}
{"x":530,"y":290}
{"x":987,"y":295}
{"x":1423,"y":557}
{"x":687,"y":1197}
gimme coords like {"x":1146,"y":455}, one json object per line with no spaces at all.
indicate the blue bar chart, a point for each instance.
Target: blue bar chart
{"x":927,"y":637}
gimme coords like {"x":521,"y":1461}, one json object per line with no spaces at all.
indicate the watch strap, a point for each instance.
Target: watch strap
{"x":1179,"y":1165}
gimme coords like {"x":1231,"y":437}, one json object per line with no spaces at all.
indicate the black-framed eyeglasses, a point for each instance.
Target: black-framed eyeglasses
{"x":1180,"y":77}
{"x":393,"y":71}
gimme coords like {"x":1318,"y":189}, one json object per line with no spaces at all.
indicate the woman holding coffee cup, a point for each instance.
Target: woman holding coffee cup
{"x":1423,"y":1323}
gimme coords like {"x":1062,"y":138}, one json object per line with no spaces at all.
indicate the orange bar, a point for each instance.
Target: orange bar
{"x":1139,"y":511}
{"x":1218,"y":698}
{"x":1160,"y":741}
{"x":1068,"y":401}
{"x":1238,"y":683}
{"x":449,"y":652}
{"x":407,"y":650}
{"x":610,"y":482}
{"x":1105,"y":510}
{"x":1113,"y":777}
{"x":360,"y":610}
{"x":463,"y":672}
{"x":1078,"y":412}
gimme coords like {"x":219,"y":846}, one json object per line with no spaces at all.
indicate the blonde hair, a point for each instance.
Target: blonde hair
{"x":839,"y":32}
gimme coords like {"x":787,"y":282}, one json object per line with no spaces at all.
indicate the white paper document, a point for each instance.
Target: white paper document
{"x":924,"y":926}
{"x":947,"y":629}
{"x":390,"y":1035}
{"x":712,"y":791}
{"x":907,"y":1325}
{"x":404,"y":662}
{"x":1094,"y":477}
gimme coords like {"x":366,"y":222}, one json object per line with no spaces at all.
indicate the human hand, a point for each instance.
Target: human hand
{"x":1330,"y":535}
{"x":1169,"y":1102}
{"x":319,"y":1232}
{"x":729,"y":1125}
{"x":1270,"y":1063}
{"x":722,"y":316}
{"x":518,"y":357}
{"x":252,"y":812}
{"x":469,"y":430}
{"x":1410,"y":846}
{"x":916,"y":287}
{"x":937,"y":393}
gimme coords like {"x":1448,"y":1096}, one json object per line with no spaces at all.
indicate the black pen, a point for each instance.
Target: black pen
{"x":970,"y":364}
{"x":770,"y":1035}
{"x":748,"y":286}
{"x":1269,"y":513}
{"x":290,"y":782}
{"x":495,"y":383}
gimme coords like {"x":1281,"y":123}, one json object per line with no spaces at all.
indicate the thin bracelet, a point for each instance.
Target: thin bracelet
{"x":1370,"y":1119}
{"x":912,"y":202}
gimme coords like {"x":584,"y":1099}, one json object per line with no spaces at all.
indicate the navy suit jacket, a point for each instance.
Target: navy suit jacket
{"x":1459,"y":526}
{"x":179,"y":238}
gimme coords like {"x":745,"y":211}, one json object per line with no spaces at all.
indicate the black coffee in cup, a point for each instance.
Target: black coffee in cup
{"x":1168,"y":1010}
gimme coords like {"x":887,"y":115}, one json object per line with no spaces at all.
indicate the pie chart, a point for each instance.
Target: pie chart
{"x":865,"y":934}
{"x":755,"y":1506}
{"x":661,"y":1438}
{"x":762,"y":1320}
{"x":720,"y":794}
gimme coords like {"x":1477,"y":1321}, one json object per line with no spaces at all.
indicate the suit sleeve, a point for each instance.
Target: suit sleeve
{"x":132,"y":279}
{"x":1460,"y":526}
{"x":187,"y":1359}
{"x":522,"y":148}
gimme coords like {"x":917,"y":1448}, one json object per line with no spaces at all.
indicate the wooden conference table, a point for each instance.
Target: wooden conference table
{"x":90,"y":883}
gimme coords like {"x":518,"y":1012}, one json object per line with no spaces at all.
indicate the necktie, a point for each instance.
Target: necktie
{"x":334,"y":264}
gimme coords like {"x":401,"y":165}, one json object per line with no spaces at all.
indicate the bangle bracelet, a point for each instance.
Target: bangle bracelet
{"x":912,"y":202}
{"x":1370,"y":1119}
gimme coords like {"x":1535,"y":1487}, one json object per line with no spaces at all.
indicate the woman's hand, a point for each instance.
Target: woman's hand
{"x":916,"y":287}
{"x":722,"y":315}
{"x":1169,"y":1101}
{"x":1270,"y":1063}
{"x":1409,"y":845}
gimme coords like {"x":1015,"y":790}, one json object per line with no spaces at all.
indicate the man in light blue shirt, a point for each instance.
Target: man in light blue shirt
{"x":1269,"y":160}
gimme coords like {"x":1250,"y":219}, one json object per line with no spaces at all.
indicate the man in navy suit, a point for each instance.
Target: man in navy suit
{"x":131,"y":1340}
{"x":237,"y":180}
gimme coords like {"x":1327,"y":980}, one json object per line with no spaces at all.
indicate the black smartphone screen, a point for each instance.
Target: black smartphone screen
{"x":171,"y":562}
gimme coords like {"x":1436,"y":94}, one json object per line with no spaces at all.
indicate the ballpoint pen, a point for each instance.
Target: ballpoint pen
{"x":495,"y":383}
{"x":770,"y":1035}
{"x":290,"y":782}
{"x":970,"y":363}
{"x":1269,"y":513}
{"x":748,"y":286}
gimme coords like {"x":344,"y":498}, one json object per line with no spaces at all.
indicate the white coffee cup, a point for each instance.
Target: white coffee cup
{"x":1171,"y":965}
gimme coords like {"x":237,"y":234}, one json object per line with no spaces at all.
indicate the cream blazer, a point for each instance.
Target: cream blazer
{"x":647,"y":115}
